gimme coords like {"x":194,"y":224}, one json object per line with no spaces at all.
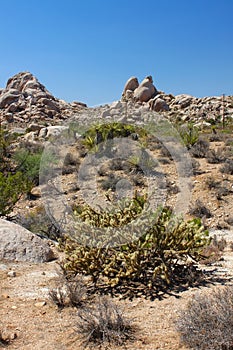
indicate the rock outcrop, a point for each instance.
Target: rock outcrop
{"x":182,"y":107}
{"x":19,"y":244}
{"x":26,"y":100}
{"x":142,"y":92}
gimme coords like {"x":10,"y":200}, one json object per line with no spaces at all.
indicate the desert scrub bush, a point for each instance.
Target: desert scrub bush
{"x":151,"y":258}
{"x":107,"y":131}
{"x":190,"y":134}
{"x":200,"y":210}
{"x":4,"y":341}
{"x":213,"y":252}
{"x":104,"y":324}
{"x":211,"y":183}
{"x":13,"y":183}
{"x":110,"y":182}
{"x":30,"y":163}
{"x":227,"y":167}
{"x":215,"y":157}
{"x":200,"y":149}
{"x":12,"y":187}
{"x":207,"y":321}
{"x":69,"y":292}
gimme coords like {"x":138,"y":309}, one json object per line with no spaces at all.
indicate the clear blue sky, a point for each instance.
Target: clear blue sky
{"x":86,"y":50}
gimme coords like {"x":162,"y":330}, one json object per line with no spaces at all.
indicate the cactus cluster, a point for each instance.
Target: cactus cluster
{"x":150,"y":259}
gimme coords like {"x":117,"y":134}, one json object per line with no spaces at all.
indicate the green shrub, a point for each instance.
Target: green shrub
{"x":189,"y":134}
{"x":5,"y":150}
{"x":29,"y":164}
{"x":12,"y":187}
{"x":207,"y":321}
{"x":150,"y":260}
{"x":107,"y":131}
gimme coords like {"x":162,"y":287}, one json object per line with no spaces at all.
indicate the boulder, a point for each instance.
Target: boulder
{"x":52,"y":131}
{"x":158,"y":105}
{"x":184,"y":100}
{"x":146,"y":90}
{"x":19,"y":244}
{"x":9,"y":97}
{"x":131,"y":84}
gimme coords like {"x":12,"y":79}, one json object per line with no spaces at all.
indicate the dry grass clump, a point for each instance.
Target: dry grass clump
{"x":200,"y":210}
{"x":213,"y":252}
{"x":104,"y":324}
{"x":207,"y":322}
{"x":69,"y":292}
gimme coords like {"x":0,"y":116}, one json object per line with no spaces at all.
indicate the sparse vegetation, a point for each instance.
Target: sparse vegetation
{"x":214,"y":251}
{"x":200,"y":210}
{"x":189,"y":134}
{"x":12,"y":187}
{"x":72,"y":292}
{"x":215,"y":157}
{"x":150,"y":260}
{"x":200,"y":149}
{"x":40,"y":223}
{"x":104,"y":324}
{"x":207,"y":322}
{"x":107,"y":131}
{"x":227,"y":167}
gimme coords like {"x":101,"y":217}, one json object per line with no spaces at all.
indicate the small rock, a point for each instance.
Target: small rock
{"x":11,"y":274}
{"x":40,"y":304}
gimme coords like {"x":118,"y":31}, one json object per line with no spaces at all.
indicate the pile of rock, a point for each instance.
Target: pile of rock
{"x":184,"y":107}
{"x":26,"y":100}
{"x":27,"y":103}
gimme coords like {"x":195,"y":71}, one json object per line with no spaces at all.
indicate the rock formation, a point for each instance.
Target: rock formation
{"x":182,"y":107}
{"x":26,"y":100}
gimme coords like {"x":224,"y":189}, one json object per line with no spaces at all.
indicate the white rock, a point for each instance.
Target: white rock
{"x":19,"y":244}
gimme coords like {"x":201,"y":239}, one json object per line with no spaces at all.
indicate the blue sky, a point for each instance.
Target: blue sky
{"x":86,"y":50}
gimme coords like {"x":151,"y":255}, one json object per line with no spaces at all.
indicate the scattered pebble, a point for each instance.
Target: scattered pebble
{"x":11,"y":274}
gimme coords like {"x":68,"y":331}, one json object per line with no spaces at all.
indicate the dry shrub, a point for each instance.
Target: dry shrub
{"x":213,"y":252}
{"x":200,"y":149}
{"x":200,"y":210}
{"x":69,"y":292}
{"x":104,"y":323}
{"x":207,"y":322}
{"x":227,"y":167}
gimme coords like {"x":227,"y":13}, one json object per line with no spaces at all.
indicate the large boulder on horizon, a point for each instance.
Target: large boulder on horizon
{"x":142,"y":92}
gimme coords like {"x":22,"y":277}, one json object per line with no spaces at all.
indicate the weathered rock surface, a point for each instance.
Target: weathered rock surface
{"x":146,"y":90}
{"x":130,"y":85}
{"x":19,"y":244}
{"x":26,"y":100}
{"x":181,"y":107}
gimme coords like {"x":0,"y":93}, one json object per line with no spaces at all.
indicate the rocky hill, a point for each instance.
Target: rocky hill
{"x":182,"y":107}
{"x":25,"y":100}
